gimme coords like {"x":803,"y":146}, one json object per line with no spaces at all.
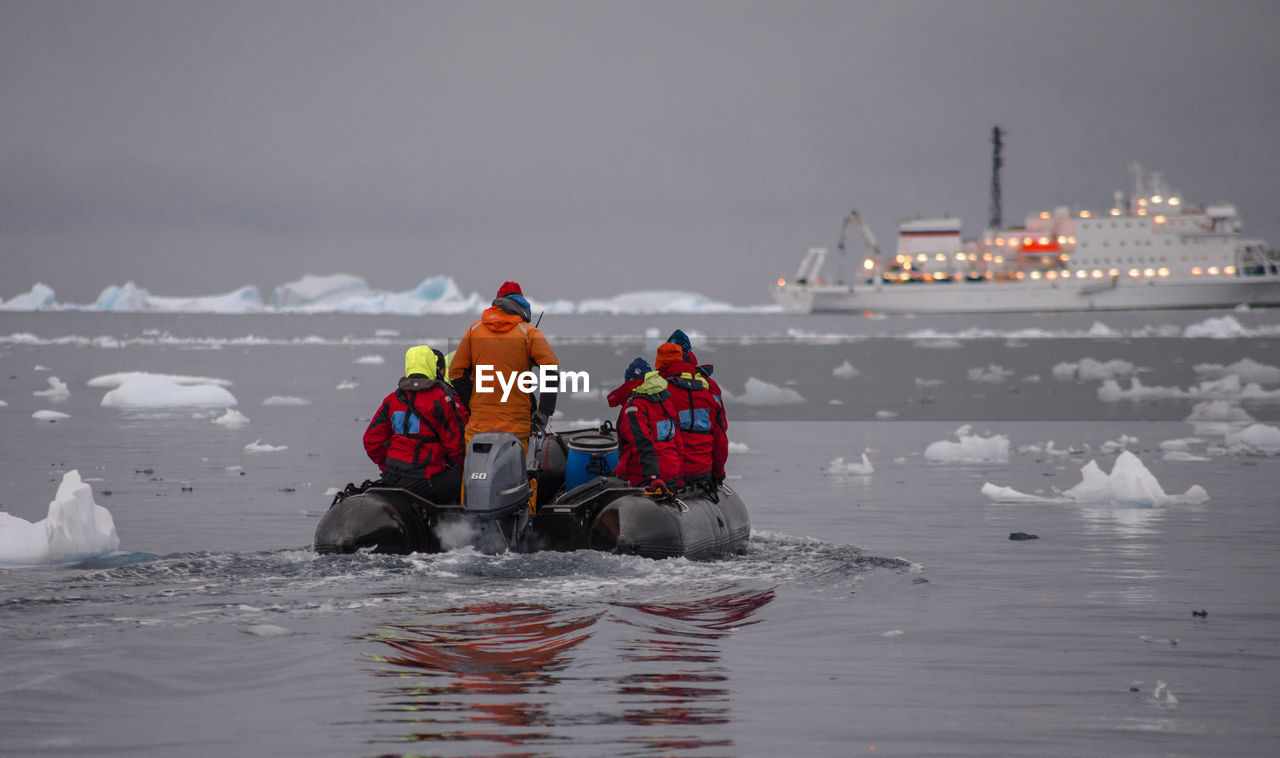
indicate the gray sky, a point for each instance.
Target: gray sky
{"x":591,"y":148}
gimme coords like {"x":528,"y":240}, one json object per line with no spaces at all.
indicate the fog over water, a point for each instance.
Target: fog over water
{"x":197,"y":147}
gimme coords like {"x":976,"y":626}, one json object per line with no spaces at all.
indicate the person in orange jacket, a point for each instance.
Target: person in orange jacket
{"x":502,"y":342}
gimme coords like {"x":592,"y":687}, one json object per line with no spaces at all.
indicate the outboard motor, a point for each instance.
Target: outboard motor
{"x":495,"y":491}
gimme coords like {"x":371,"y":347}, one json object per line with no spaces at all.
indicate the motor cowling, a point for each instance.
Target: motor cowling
{"x":494,"y":481}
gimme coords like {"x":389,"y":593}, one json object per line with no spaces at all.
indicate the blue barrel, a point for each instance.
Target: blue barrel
{"x":590,"y":455}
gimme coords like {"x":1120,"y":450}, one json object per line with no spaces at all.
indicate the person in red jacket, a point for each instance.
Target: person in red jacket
{"x":678,"y":337}
{"x":649,"y":451}
{"x":416,"y":437}
{"x":703,"y":428}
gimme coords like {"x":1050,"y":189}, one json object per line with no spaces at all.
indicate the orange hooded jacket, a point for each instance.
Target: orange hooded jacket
{"x":504,"y":341}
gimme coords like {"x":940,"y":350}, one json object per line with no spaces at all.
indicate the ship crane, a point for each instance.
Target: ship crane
{"x":870,"y":238}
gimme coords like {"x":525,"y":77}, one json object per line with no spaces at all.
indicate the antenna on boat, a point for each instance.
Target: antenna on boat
{"x":997,"y":161}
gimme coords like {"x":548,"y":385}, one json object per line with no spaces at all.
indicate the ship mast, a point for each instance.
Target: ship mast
{"x":997,"y":161}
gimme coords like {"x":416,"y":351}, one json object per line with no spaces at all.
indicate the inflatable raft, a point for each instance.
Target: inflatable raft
{"x":559,"y":497}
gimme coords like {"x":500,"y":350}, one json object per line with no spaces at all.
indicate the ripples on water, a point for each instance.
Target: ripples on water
{"x":544,"y":654}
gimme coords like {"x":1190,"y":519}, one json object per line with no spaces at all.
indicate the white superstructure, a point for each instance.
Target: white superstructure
{"x":1150,"y":250}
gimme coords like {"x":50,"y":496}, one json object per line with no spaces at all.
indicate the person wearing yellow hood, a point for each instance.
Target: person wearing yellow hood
{"x":503,"y":343}
{"x":416,"y":436}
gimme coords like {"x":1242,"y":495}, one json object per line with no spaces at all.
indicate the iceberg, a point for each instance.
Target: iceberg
{"x":232,"y":419}
{"x":247,"y":299}
{"x":257,"y":447}
{"x":1222,"y":328}
{"x":845,"y":371}
{"x":52,"y":416}
{"x":130,"y":298}
{"x":39,"y":298}
{"x":969,"y":448}
{"x":1247,"y":369}
{"x":759,"y":392}
{"x":156,"y":391}
{"x":1092,"y":370}
{"x":312,"y":290}
{"x":1258,"y":439}
{"x":656,"y":301}
{"x":990,"y":374}
{"x":838,"y":467}
{"x":57,"y":391}
{"x":1130,"y":483}
{"x":75,"y":528}
{"x":115,"y":380}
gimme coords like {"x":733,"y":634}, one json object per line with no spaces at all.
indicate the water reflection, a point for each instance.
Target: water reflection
{"x":495,"y":677}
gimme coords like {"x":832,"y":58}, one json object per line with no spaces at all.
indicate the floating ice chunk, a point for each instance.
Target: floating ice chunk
{"x":1092,"y":370}
{"x":577,"y":423}
{"x":1182,"y":455}
{"x":57,"y":391}
{"x":267,"y":630}
{"x":38,"y":367}
{"x":247,"y":299}
{"x":1219,"y":410}
{"x":257,"y":447}
{"x":387,"y":333}
{"x":738,"y":448}
{"x":1181,"y":443}
{"x":1110,"y":392}
{"x":1130,"y":483}
{"x":656,"y":301}
{"x":39,"y":298}
{"x":938,"y":343}
{"x":75,"y":528}
{"x":883,"y":414}
{"x":1100,"y":329}
{"x":49,"y":415}
{"x":1247,"y":369}
{"x":232,"y":419}
{"x":991,"y":374}
{"x":371,"y":360}
{"x":845,"y":371}
{"x":156,"y":391}
{"x":1257,"y":438}
{"x":893,"y":633}
{"x":1125,"y":441}
{"x":1032,"y":378}
{"x":312,"y":290}
{"x":129,"y":298}
{"x":759,"y":392}
{"x":285,"y":400}
{"x":970,"y":448}
{"x":347,"y":384}
{"x":1225,"y":327}
{"x":3,"y":403}
{"x":115,"y":380}
{"x":1010,"y":495}
{"x":922,"y":383}
{"x":838,"y":467}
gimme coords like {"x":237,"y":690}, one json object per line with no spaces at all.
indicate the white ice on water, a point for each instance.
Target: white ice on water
{"x":371,"y":360}
{"x":152,"y":391}
{"x":347,"y":293}
{"x":990,"y":374}
{"x":1247,"y":369}
{"x":969,"y":448}
{"x":838,"y":467}
{"x":115,"y":380}
{"x":257,"y":447}
{"x":1130,"y":483}
{"x":232,"y":419}
{"x":738,"y":447}
{"x":759,"y":392}
{"x":285,"y":400}
{"x":1258,"y":439}
{"x":845,"y":371}
{"x":75,"y":528}
{"x":1225,"y":327}
{"x":1093,"y":370}
{"x":48,"y":415}
{"x":57,"y":392}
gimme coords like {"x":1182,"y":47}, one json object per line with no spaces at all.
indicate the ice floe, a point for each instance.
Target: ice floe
{"x":285,"y":400}
{"x":845,"y":371}
{"x":969,"y":448}
{"x":758,"y":392}
{"x":115,"y":380}
{"x":75,"y":528}
{"x":232,"y":419}
{"x":738,"y":447}
{"x":39,"y":298}
{"x":57,"y":392}
{"x":1257,"y":439}
{"x":1247,"y":369}
{"x":257,"y":447}
{"x":371,"y":360}
{"x":1130,"y":483}
{"x":1111,"y":392}
{"x":990,"y":374}
{"x":1090,"y":369}
{"x":1224,"y":327}
{"x":159,"y":391}
{"x":47,"y":415}
{"x":838,"y":467}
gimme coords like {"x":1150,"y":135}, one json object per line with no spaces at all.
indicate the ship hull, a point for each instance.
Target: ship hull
{"x":1026,"y":296}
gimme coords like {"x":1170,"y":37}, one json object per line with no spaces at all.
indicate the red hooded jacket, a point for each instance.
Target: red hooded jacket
{"x":418,"y":429}
{"x":648,"y":431}
{"x":703,"y":427}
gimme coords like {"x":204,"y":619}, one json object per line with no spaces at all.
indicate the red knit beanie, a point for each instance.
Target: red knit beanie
{"x":510,"y":288}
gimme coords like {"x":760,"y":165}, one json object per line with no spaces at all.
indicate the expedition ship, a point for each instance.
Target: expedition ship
{"x":1151,"y":250}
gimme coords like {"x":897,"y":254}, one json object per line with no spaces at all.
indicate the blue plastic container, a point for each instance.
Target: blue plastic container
{"x":590,"y":455}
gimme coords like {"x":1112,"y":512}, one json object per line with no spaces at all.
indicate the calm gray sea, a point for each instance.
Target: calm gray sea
{"x":887,"y":614}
